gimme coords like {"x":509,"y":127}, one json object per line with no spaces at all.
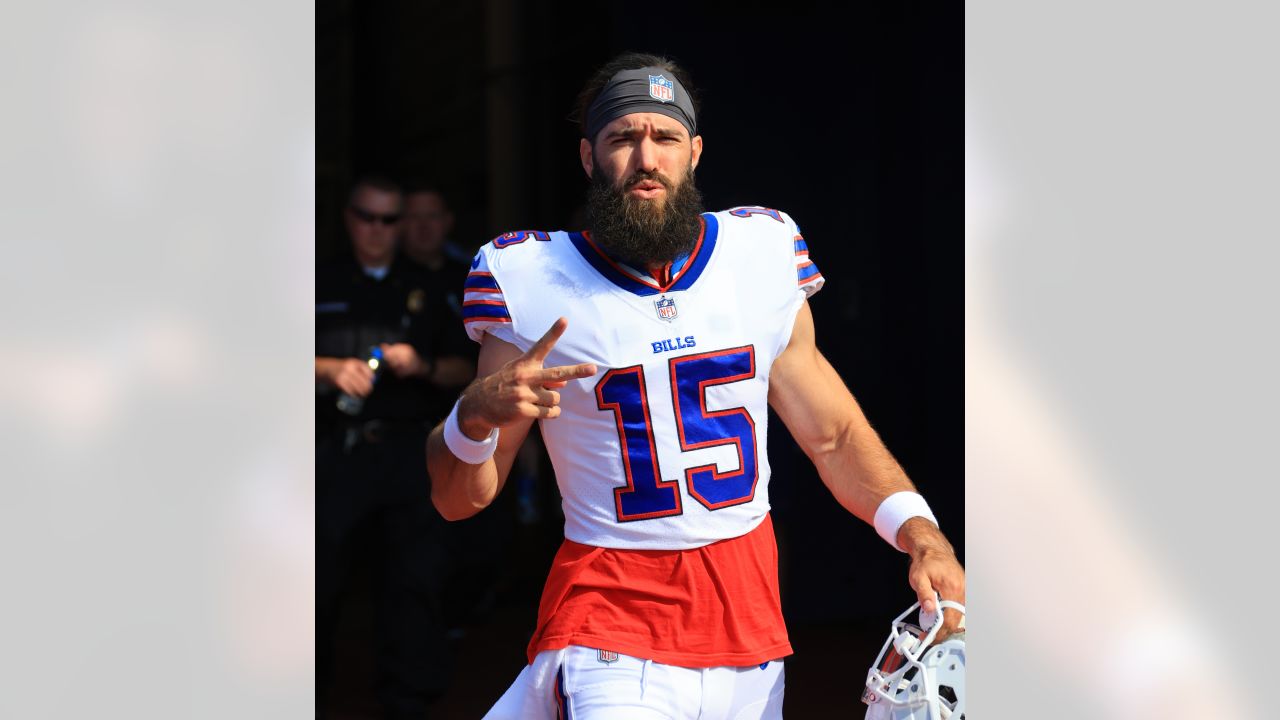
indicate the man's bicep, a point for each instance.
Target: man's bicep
{"x":494,"y":353}
{"x":805,"y":390}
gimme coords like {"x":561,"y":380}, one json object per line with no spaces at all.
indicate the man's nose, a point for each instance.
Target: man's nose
{"x":647,"y":155}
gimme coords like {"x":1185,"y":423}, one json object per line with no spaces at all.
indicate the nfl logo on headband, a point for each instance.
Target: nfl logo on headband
{"x":662,"y":89}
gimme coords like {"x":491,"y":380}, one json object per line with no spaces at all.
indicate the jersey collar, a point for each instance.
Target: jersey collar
{"x":678,"y":275}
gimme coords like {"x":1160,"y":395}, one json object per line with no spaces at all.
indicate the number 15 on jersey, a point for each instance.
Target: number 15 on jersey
{"x":646,"y":495}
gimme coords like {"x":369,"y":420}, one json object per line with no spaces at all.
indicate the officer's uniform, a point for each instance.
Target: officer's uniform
{"x":445,"y":286}
{"x":372,"y":488}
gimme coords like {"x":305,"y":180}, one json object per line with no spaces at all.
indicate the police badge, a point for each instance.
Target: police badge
{"x":666,"y":308}
{"x":416,"y":301}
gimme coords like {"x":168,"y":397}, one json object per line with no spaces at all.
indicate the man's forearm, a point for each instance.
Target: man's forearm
{"x":861,"y":473}
{"x":326,"y":367}
{"x":858,"y":468}
{"x":458,"y":489}
{"x":919,"y":536}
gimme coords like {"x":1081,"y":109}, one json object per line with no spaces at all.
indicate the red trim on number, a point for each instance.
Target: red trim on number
{"x":702,"y":406}
{"x":626,"y":456}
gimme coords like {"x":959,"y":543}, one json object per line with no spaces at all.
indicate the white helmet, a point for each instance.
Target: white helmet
{"x":912,"y":681}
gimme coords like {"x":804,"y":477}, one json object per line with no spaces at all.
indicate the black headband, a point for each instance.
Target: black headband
{"x":650,"y":89}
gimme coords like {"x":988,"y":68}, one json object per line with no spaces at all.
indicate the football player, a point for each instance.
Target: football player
{"x":649,"y":347}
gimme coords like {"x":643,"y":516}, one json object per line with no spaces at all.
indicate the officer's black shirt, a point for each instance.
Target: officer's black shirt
{"x":355,"y":311}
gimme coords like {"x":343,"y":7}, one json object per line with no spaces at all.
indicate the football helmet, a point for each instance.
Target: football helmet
{"x":911,"y":680}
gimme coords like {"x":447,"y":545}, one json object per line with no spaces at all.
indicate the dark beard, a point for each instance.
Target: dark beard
{"x":641,"y":232}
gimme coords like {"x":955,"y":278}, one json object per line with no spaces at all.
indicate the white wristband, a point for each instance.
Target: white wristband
{"x":896,"y":510}
{"x":464,"y":448}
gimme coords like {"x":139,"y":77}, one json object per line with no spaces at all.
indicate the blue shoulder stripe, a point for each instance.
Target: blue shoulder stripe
{"x":807,"y":271}
{"x":485,"y":311}
{"x":477,"y":281}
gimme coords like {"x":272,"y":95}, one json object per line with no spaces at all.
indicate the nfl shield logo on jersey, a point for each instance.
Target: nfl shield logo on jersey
{"x":666,"y":308}
{"x":607,"y":656}
{"x":660,"y":88}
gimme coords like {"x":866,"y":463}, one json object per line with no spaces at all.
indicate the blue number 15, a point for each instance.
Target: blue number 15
{"x":646,"y":495}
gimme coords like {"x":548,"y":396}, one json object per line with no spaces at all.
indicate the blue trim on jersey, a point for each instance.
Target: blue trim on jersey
{"x":475,"y":281}
{"x":807,"y":272}
{"x":679,"y":263}
{"x":485,"y":311}
{"x":801,"y":245}
{"x":687,"y":274}
{"x":603,"y":267}
{"x":695,"y":265}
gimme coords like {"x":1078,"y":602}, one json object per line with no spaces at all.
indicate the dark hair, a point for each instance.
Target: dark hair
{"x":628,"y":61}
{"x":415,"y":185}
{"x":374,"y":181}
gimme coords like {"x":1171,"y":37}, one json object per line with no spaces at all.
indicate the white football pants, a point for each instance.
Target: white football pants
{"x":578,"y":684}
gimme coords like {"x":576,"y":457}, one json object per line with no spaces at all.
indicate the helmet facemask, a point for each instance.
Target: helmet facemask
{"x":912,"y":680}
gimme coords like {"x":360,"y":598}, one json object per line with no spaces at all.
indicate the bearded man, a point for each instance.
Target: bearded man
{"x":650,"y":347}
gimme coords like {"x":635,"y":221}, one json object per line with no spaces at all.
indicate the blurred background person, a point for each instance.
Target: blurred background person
{"x":386,"y":347}
{"x":442,"y":264}
{"x":428,"y":224}
{"x":474,"y":547}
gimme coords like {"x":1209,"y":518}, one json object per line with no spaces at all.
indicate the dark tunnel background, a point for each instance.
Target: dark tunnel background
{"x":849,"y":119}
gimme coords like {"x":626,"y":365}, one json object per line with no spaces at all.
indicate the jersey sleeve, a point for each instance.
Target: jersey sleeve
{"x":484,"y":307}
{"x":808,"y":279}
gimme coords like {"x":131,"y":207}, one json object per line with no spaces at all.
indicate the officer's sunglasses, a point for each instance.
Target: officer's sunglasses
{"x":370,"y":217}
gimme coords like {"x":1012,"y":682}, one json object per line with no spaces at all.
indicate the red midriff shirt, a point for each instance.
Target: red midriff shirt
{"x":713,"y":606}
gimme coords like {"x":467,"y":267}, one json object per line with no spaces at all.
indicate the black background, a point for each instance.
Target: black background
{"x":849,"y":119}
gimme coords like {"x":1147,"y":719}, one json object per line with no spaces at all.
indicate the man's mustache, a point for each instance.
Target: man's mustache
{"x":643,"y":175}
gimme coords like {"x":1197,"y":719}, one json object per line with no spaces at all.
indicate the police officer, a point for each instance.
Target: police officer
{"x":373,"y":500}
{"x":424,"y":240}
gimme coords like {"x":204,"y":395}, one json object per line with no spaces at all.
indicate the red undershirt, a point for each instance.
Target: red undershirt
{"x":712,"y":606}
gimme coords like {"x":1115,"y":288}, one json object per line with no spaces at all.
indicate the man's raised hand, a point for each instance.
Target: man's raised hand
{"x":522,"y":389}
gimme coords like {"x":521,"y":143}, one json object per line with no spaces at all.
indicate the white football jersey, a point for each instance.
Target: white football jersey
{"x":664,"y":448}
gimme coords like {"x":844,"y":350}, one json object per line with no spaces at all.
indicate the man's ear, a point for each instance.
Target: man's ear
{"x":584,"y":153}
{"x":696,"y":144}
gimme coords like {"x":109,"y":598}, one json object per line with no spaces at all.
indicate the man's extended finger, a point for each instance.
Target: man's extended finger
{"x":542,"y":348}
{"x":568,"y":372}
